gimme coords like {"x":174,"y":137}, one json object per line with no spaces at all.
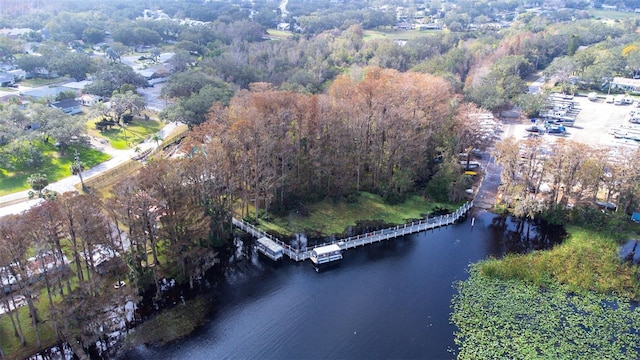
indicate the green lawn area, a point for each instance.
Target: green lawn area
{"x":397,"y":34}
{"x":56,"y":166}
{"x":41,"y":82}
{"x":329,"y":217}
{"x":611,"y":14}
{"x":279,"y":34}
{"x":11,"y":344}
{"x":127,"y":137}
{"x":171,"y":324}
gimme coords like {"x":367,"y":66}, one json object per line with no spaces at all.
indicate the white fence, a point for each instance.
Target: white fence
{"x":362,"y":239}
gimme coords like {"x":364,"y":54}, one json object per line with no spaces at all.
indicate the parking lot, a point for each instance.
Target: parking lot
{"x":598,"y":124}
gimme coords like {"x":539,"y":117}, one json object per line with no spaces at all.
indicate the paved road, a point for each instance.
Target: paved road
{"x":536,"y":86}
{"x":486,"y":194}
{"x":18,"y":202}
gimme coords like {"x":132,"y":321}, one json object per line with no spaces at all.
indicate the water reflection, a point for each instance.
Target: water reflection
{"x":514,"y":235}
{"x":386,"y":300}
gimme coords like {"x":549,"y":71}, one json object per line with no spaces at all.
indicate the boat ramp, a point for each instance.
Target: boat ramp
{"x":275,"y":248}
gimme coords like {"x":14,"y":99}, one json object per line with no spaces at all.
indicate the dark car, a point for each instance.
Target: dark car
{"x":535,"y":129}
{"x":556,"y":129}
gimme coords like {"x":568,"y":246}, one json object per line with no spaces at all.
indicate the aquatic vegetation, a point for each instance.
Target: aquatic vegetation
{"x":505,"y":318}
{"x":585,"y":261}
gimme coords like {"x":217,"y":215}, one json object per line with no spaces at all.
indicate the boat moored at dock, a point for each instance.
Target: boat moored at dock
{"x":270,"y":248}
{"x":330,"y":253}
{"x":324,"y":255}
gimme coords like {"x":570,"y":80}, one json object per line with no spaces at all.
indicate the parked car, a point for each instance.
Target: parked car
{"x":535,"y":129}
{"x":606,"y":205}
{"x":556,"y":129}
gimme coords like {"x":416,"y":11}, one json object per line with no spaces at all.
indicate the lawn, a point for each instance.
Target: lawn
{"x":171,"y":324}
{"x":329,"y":217}
{"x":127,"y":137}
{"x":56,"y":166}
{"x":613,"y":15}
{"x":37,"y":82}
{"x":279,"y":34}
{"x":397,"y":34}
{"x":11,"y":344}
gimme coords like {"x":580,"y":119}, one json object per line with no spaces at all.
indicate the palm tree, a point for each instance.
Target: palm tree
{"x":157,"y":138}
{"x":76,"y":168}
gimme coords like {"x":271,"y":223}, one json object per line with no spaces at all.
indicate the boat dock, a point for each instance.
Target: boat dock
{"x":358,"y":240}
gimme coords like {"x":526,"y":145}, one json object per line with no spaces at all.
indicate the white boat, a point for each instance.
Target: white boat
{"x":326,"y":254}
{"x":270,"y":248}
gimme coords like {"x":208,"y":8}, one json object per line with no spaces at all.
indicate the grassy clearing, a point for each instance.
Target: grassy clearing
{"x":171,"y":324}
{"x":396,"y":34}
{"x":56,"y":166}
{"x":11,"y":344}
{"x":127,"y":137}
{"x":613,"y":15}
{"x":279,"y":34}
{"x":329,"y":217}
{"x":41,"y":82}
{"x":586,"y":261}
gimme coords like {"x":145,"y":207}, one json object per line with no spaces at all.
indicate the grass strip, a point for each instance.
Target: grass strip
{"x":171,"y":324}
{"x":329,"y":217}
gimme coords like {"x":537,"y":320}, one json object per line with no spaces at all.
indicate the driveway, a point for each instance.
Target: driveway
{"x":151,"y":96}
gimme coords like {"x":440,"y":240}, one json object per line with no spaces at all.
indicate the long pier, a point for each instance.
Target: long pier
{"x":362,"y":239}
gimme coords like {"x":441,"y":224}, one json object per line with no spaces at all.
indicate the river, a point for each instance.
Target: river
{"x":386,"y":300}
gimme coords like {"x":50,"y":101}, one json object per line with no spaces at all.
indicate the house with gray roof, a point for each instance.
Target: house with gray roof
{"x":69,"y":106}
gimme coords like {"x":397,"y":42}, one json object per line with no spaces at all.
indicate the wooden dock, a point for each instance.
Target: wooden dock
{"x":363,"y":239}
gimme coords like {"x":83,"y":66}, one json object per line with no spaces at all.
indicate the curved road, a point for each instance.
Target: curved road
{"x":18,"y":202}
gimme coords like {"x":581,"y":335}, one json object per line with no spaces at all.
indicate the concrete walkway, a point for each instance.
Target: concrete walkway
{"x":18,"y":202}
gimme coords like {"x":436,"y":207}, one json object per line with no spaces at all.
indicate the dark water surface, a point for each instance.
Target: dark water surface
{"x":385,"y":301}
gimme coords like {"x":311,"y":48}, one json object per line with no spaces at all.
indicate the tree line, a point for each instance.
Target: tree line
{"x":168,"y":221}
{"x":378,"y":130}
{"x":541,"y":180}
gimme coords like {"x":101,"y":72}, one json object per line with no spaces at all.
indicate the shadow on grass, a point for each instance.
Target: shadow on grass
{"x":56,"y":166}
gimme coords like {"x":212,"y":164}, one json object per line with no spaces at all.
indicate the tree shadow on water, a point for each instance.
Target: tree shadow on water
{"x":516,"y":235}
